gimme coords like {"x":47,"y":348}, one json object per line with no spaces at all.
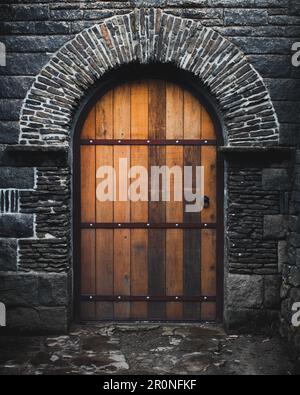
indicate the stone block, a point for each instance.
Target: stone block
{"x":19,"y":289}
{"x":16,"y":177}
{"x":245,"y":291}
{"x":272,"y":292}
{"x":42,"y":319}
{"x":53,"y":289}
{"x":8,"y":255}
{"x":275,"y":179}
{"x":275,"y":227}
{"x":16,"y":225}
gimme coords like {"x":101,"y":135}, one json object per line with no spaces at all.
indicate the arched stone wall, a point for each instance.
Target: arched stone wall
{"x":146,"y":36}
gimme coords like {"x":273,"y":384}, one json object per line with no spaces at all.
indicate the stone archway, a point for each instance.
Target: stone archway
{"x":146,"y":36}
{"x":46,"y":124}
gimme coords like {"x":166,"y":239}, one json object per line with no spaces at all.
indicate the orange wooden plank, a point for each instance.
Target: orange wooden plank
{"x":88,"y":272}
{"x":157,"y":109}
{"x":88,"y":186}
{"x":174,"y":111}
{"x":139,"y":209}
{"x":104,"y":117}
{"x":122,"y":99}
{"x":207,"y":126}
{"x":208,"y":160}
{"x":104,"y":209}
{"x":104,"y":272}
{"x":192,"y":116}
{"x":174,"y":271}
{"x":121,"y":271}
{"x":139,"y":110}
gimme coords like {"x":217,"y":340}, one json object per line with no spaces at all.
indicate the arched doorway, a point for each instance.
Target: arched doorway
{"x":150,"y":258}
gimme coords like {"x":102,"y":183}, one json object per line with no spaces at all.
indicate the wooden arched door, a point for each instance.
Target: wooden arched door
{"x":147,"y":260}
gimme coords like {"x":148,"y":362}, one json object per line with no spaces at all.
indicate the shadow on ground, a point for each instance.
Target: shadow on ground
{"x":144,"y":349}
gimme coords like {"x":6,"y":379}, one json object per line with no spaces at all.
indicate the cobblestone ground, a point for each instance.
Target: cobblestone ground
{"x":144,"y":349}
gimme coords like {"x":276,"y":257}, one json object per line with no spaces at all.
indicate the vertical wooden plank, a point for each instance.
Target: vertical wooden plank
{"x":174,"y":272}
{"x":104,"y":116}
{"x":157,"y":109}
{"x":88,"y":130}
{"x":139,"y":110}
{"x":209,"y":159}
{"x":122,"y":107}
{"x":139,"y":275}
{"x":207,"y":126}
{"x":104,"y":246}
{"x":174,"y":209}
{"x":104,"y":272}
{"x":121,"y":272}
{"x":88,"y":272}
{"x":88,"y":185}
{"x":157,"y":213}
{"x":139,"y":209}
{"x":208,"y":272}
{"x":192,"y":272}
{"x":192,"y":116}
{"x":122,"y":100}
{"x":174,"y":111}
{"x":87,"y":162}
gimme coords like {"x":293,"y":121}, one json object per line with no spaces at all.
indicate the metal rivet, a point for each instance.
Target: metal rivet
{"x":91,"y":225}
{"x":119,"y":225}
{"x":205,"y":297}
{"x":148,"y":224}
{"x":177,"y":141}
{"x":91,"y":297}
{"x":120,"y":141}
{"x":119,"y":297}
{"x":176,"y":298}
{"x":205,"y":225}
{"x":205,"y":141}
{"x":177,"y":225}
{"x":148,"y":141}
{"x":91,"y":141}
{"x":148,"y":297}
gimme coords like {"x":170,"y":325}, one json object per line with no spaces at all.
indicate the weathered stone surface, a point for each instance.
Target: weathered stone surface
{"x":16,"y":225}
{"x":244,"y":291}
{"x":276,"y":179}
{"x":53,"y":289}
{"x":272,"y":286}
{"x":41,"y":319}
{"x":16,"y":177}
{"x":8,"y":255}
{"x":275,"y":226}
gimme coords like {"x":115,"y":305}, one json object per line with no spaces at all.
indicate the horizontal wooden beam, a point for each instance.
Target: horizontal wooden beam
{"x":132,"y":225}
{"x":146,"y":298}
{"x":147,"y":142}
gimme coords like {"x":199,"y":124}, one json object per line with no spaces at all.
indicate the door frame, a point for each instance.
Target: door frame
{"x":109,"y":81}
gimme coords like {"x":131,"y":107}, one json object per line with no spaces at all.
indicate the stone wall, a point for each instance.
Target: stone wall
{"x":35,"y":202}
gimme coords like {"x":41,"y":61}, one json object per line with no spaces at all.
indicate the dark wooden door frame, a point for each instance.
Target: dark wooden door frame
{"x":111,"y":80}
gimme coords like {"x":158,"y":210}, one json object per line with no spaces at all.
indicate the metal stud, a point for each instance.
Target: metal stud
{"x":119,"y":297}
{"x":148,"y":297}
{"x":119,"y":141}
{"x":148,"y":225}
{"x":119,"y":225}
{"x":91,"y":225}
{"x":205,"y":297}
{"x":177,"y":141}
{"x":91,"y":141}
{"x":91,"y":297}
{"x":148,"y":141}
{"x":177,"y":225}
